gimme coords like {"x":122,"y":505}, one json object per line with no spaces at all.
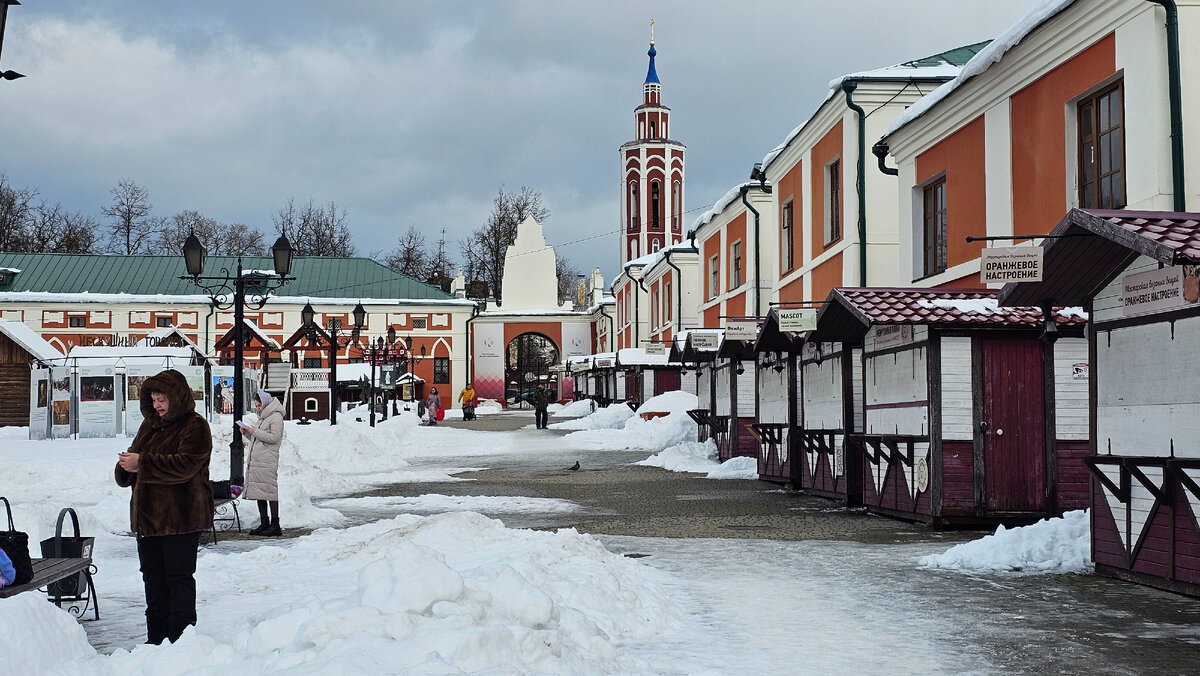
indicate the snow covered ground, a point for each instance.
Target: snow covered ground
{"x":438,"y":584}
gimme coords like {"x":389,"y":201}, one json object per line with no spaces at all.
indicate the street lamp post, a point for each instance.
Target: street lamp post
{"x":219,"y":289}
{"x":307,"y":316}
{"x":4,"y":4}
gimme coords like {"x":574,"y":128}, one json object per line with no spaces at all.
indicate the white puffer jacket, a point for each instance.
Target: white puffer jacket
{"x":262,"y":459}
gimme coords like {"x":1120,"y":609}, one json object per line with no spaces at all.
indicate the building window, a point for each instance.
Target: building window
{"x":654,"y":309}
{"x":787,"y":240}
{"x":633,"y":249}
{"x":655,"y":206}
{"x":714,"y":276}
{"x":735,"y":264}
{"x":934,"y":216}
{"x":653,"y":130}
{"x":77,"y":321}
{"x":162,"y":322}
{"x":420,"y":322}
{"x":654,"y":245}
{"x":1102,"y":150}
{"x":667,"y":300}
{"x":441,"y":370}
{"x":676,"y":205}
{"x":312,"y":362}
{"x":833,"y":204}
{"x":311,"y":405}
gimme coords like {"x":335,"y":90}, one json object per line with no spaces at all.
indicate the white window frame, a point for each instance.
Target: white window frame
{"x":714,"y":276}
{"x":735,"y":264}
{"x":827,"y":233}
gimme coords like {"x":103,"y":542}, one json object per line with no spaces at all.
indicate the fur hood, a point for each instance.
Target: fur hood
{"x":179,"y":393}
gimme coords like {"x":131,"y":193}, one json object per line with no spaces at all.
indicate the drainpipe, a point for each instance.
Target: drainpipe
{"x":612,"y":339}
{"x":848,"y":87}
{"x":757,"y":255}
{"x":1178,"y":188}
{"x":880,"y":149}
{"x":678,"y":288}
{"x":637,"y":318}
{"x":469,"y":347}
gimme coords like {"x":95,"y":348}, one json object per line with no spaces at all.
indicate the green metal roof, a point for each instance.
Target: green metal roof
{"x":959,"y":56}
{"x":316,"y":276}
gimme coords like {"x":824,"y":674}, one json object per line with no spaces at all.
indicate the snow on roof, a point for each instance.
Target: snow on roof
{"x":636,"y":356}
{"x":654,"y":258}
{"x":720,"y":205}
{"x":11,"y":271}
{"x":159,"y":356}
{"x":201,"y":299}
{"x":937,"y":67}
{"x":29,"y":340}
{"x":1042,"y":12}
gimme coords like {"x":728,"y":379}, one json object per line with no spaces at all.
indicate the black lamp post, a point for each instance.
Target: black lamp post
{"x":4,"y":4}
{"x":307,"y":316}
{"x":219,"y":289}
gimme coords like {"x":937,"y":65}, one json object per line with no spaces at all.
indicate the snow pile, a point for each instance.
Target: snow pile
{"x":488,"y":406}
{"x":741,"y":467}
{"x":636,"y":433}
{"x":452,"y":593}
{"x":575,"y":409}
{"x":690,"y":456}
{"x":607,"y":418}
{"x":701,"y":457}
{"x":1059,"y":545}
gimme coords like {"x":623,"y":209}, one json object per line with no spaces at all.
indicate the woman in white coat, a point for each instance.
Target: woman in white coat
{"x":262,"y":462}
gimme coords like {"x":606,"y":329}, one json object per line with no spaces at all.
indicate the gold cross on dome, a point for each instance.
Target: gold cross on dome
{"x":651,"y":31}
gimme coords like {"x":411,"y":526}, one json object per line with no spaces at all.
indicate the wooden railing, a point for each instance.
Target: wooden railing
{"x":310,"y":379}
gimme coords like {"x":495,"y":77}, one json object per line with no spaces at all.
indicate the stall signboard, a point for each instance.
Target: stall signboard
{"x":741,"y":330}
{"x":1154,"y":291}
{"x":704,"y":341}
{"x":1001,"y":265}
{"x":656,"y":349}
{"x":798,"y":320}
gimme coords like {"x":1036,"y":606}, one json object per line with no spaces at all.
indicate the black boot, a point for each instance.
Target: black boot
{"x":261,"y":528}
{"x":273,"y":530}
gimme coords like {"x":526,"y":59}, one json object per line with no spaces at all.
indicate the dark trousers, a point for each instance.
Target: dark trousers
{"x":541,"y":417}
{"x":168,"y":569}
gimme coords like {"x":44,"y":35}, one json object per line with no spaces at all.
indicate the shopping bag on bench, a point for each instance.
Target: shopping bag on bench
{"x":68,"y":547}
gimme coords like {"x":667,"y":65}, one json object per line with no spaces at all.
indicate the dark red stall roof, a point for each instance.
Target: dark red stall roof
{"x":1091,"y":247}
{"x":850,"y":311}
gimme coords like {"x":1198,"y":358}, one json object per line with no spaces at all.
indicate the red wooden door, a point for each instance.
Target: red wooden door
{"x":666,"y":380}
{"x":1013,"y":425}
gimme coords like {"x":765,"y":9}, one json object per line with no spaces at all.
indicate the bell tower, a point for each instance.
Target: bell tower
{"x":651,"y":175}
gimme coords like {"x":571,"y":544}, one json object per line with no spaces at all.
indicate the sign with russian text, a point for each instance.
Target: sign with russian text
{"x":1152,"y":291}
{"x":1001,"y":265}
{"x":704,"y":341}
{"x":741,"y":330}
{"x":656,"y":348}
{"x":797,"y":320}
{"x":888,"y":335}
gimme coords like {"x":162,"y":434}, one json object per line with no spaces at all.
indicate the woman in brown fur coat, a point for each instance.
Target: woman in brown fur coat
{"x":172,"y":503}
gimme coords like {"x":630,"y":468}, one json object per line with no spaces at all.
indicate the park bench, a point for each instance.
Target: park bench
{"x":225,"y":509}
{"x":66,"y":577}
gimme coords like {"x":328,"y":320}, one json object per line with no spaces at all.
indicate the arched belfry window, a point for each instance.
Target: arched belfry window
{"x":676,"y":205}
{"x":633,"y":205}
{"x":653,"y":130}
{"x":655,"y":205}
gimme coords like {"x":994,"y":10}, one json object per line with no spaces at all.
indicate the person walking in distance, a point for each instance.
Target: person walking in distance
{"x":433,"y":404}
{"x":467,"y":397}
{"x":541,"y":404}
{"x":262,"y":462}
{"x":171,"y":502}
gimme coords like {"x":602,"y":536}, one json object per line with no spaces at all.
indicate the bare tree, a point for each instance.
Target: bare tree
{"x":53,"y":230}
{"x":568,"y":278}
{"x":133,"y":221}
{"x":15,"y":207}
{"x":315,"y":230}
{"x":409,"y":256}
{"x":221,"y":239}
{"x":483,"y":252}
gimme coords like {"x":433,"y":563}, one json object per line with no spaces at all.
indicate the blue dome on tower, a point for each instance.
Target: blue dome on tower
{"x":651,"y":74}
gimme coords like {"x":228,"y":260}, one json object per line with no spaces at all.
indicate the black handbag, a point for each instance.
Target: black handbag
{"x":71,"y":547}
{"x":16,"y":545}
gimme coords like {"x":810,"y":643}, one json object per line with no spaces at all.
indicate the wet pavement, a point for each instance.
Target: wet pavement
{"x":834,"y":579}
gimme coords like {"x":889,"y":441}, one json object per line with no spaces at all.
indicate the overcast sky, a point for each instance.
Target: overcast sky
{"x":417,"y":112}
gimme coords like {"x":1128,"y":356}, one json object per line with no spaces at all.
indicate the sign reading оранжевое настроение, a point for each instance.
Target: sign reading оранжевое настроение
{"x":1001,"y":265}
{"x":1156,"y":290}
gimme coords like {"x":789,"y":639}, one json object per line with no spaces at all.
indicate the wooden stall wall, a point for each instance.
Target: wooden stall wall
{"x":745,"y":409}
{"x":955,"y":418}
{"x":1072,"y":374}
{"x":722,"y":415}
{"x":704,"y":398}
{"x":895,"y":449}
{"x":14,"y":383}
{"x":773,"y":419}
{"x":820,"y":442}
